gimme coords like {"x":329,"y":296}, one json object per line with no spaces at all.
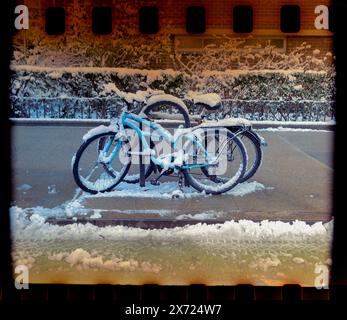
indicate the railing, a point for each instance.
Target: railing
{"x":107,"y":108}
{"x":272,"y":110}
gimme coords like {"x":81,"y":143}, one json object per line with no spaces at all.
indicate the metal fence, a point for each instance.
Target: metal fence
{"x":107,"y":108}
{"x":272,"y":110}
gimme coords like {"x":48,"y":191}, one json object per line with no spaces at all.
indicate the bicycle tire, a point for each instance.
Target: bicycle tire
{"x":133,"y":179}
{"x":76,"y":170}
{"x":251,"y":171}
{"x":232,"y":182}
{"x":183,"y":111}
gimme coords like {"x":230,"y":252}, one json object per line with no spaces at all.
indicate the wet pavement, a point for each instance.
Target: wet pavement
{"x":296,"y":175}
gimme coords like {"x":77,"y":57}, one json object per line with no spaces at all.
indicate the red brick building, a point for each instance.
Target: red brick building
{"x":287,"y":23}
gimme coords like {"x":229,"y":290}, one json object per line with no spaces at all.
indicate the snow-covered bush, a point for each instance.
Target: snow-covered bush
{"x":234,"y":54}
{"x":79,"y":47}
{"x":290,"y":85}
{"x":65,"y":76}
{"x":124,"y":47}
{"x":80,"y":92}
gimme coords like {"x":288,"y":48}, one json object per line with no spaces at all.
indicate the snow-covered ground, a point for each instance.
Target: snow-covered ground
{"x":261,"y":253}
{"x":294,"y":126}
{"x":169,"y":190}
{"x":269,"y":252}
{"x":166,"y":191}
{"x":290,"y":130}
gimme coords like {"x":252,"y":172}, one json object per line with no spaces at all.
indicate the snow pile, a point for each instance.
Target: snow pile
{"x":168,"y":98}
{"x":83,"y":259}
{"x":210,"y":99}
{"x":139,"y":96}
{"x":279,"y":129}
{"x":113,"y":127}
{"x":168,"y":190}
{"x":34,"y":227}
{"x":209,"y":215}
{"x":266,"y":263}
{"x":226,"y":122}
{"x":263,"y":253}
{"x":96,"y":214}
{"x":24,"y":187}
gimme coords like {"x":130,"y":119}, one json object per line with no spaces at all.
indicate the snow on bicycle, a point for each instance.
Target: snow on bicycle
{"x":210,"y":156}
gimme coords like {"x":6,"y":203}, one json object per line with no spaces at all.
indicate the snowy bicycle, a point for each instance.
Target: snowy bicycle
{"x":208,"y":108}
{"x":105,"y":157}
{"x":156,"y":106}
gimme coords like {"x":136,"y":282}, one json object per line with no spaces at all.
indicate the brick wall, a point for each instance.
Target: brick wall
{"x":218,"y":12}
{"x":172,"y":13}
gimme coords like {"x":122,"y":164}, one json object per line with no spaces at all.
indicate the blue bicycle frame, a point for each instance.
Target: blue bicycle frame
{"x":134,"y":122}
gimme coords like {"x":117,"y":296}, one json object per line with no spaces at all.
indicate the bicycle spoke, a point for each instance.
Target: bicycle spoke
{"x":91,"y":172}
{"x":227,"y":162}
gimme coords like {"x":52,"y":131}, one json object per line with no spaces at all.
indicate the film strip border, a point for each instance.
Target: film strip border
{"x":166,"y":294}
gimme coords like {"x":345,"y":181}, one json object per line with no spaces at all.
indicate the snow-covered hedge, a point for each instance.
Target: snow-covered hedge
{"x":80,"y":92}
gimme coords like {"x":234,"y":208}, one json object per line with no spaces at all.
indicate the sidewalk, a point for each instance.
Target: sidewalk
{"x":296,"y":176}
{"x":297,"y":186}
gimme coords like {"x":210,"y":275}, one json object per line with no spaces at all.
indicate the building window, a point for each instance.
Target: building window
{"x":196,"y":19}
{"x":149,"y":20}
{"x":55,"y":21}
{"x":290,"y":18}
{"x":243,"y":19}
{"x":102,"y":20}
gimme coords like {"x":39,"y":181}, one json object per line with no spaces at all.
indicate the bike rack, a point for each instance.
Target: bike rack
{"x":142,"y":181}
{"x":142,"y":166}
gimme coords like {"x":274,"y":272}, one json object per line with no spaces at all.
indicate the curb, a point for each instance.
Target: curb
{"x":300,"y":125}
{"x":96,"y":122}
{"x":71,"y":123}
{"x":58,"y":122}
{"x":150,"y":224}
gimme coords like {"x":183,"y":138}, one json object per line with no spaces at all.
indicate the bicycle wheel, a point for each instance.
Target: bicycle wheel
{"x":229,"y":164}
{"x":100,"y":170}
{"x":162,"y":110}
{"x":167,"y":110}
{"x":133,"y":175}
{"x":254,"y":156}
{"x":254,"y":153}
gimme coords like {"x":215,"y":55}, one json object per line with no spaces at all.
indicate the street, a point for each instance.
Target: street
{"x":296,"y":172}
